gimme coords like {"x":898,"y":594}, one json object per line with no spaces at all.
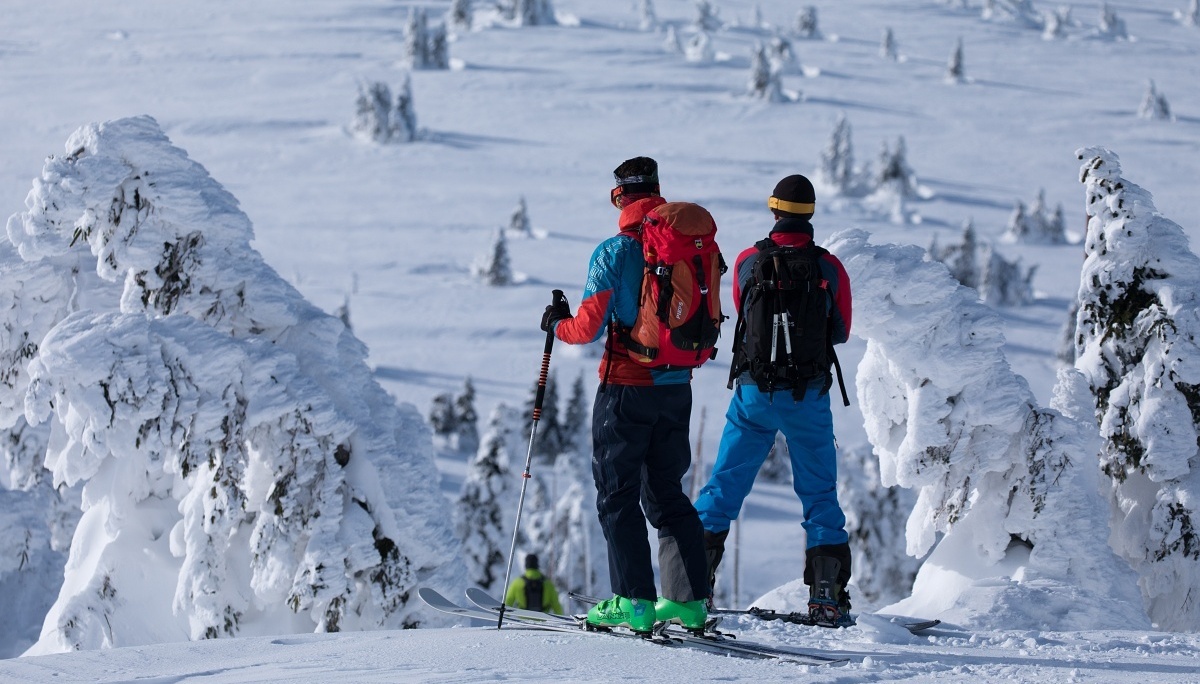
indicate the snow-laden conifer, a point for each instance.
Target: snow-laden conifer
{"x":875,"y":516}
{"x":460,"y":14}
{"x":1112,"y":26}
{"x":764,"y":76}
{"x":495,"y":269}
{"x":955,"y":70}
{"x":518,"y":223}
{"x":534,"y":13}
{"x":378,"y":119}
{"x":894,"y":172}
{"x":548,"y":443}
{"x":466,"y":433}
{"x":671,"y":42}
{"x":699,"y":48}
{"x":1067,"y":333}
{"x":404,"y":115}
{"x":1139,"y":321}
{"x":1020,"y":12}
{"x":1154,"y":104}
{"x":1003,"y":486}
{"x":837,"y":160}
{"x":962,"y":259}
{"x":1003,"y":282}
{"x":576,"y":419}
{"x":707,"y":17}
{"x":1055,"y":23}
{"x":416,"y":39}
{"x":441,"y":415}
{"x":887,"y":46}
{"x":488,"y":500}
{"x":224,"y":429}
{"x":373,"y":112}
{"x":1190,"y":16}
{"x":582,"y":559}
{"x":647,"y":18}
{"x":807,"y":26}
{"x":1035,"y":224}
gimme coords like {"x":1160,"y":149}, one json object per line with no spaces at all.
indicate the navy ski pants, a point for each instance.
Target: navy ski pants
{"x":640,"y":453}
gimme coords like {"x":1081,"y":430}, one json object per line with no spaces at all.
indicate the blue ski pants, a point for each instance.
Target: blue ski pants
{"x":640,"y":452}
{"x":751,"y":422}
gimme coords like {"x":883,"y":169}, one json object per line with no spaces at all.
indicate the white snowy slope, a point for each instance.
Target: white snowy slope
{"x":261,"y":97}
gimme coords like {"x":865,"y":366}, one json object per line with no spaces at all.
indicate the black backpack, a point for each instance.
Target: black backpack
{"x":533,"y":594}
{"x":783,"y":338}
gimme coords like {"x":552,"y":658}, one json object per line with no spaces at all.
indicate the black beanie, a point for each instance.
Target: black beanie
{"x":637,"y":176}
{"x":793,"y":196}
{"x":531,"y":561}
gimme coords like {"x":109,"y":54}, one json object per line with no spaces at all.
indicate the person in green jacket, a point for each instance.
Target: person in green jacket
{"x":533,"y":590}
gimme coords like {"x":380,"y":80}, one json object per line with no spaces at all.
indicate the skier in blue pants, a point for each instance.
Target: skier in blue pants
{"x":802,"y":414}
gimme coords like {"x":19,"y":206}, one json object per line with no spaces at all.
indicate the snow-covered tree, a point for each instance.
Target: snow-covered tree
{"x":894,"y":172}
{"x":376,"y":119}
{"x":1003,"y":486}
{"x":373,"y":112}
{"x":466,"y":433}
{"x":426,"y":47}
{"x":460,"y":15}
{"x":961,"y":259}
{"x":582,"y":559}
{"x":955,"y":71}
{"x":31,"y":565}
{"x":699,"y":48}
{"x":781,"y":56}
{"x":533,"y":13}
{"x":1003,"y":282}
{"x":442,"y":416}
{"x":875,"y":516}
{"x":887,"y":46}
{"x":518,"y":223}
{"x":495,"y":269}
{"x":647,"y":18}
{"x":225,"y":431}
{"x":1037,"y":224}
{"x":980,"y":266}
{"x":548,"y":443}
{"x":671,"y":42}
{"x":1190,"y":16}
{"x":1137,"y":346}
{"x":837,"y":159}
{"x":482,"y":514}
{"x":1055,"y":22}
{"x":1112,"y":27}
{"x":404,"y":115}
{"x":778,"y":465}
{"x":1154,"y":104}
{"x":576,"y":418}
{"x":764,"y":77}
{"x":707,"y":18}
{"x":1066,"y":335}
{"x":1020,"y":12}
{"x":806,"y":23}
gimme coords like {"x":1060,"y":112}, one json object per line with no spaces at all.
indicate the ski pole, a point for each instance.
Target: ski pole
{"x":537,"y":414}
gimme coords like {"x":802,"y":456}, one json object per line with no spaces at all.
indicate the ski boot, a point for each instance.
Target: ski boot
{"x":714,"y":549}
{"x":693,"y":615}
{"x":828,"y":603}
{"x":618,"y":611}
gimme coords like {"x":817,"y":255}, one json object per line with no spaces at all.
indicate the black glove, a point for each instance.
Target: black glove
{"x":556,"y":312}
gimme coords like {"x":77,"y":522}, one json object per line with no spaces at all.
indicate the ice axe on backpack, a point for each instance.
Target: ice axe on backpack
{"x":558,"y":299}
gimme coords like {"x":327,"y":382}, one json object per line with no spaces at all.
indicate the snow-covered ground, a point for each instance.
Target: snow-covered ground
{"x":261,"y":94}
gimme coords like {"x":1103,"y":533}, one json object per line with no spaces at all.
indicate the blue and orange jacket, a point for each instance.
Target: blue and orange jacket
{"x":796,"y":232}
{"x":610,"y":298}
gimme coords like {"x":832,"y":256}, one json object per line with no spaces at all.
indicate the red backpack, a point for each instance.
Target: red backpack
{"x":679,"y":317}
